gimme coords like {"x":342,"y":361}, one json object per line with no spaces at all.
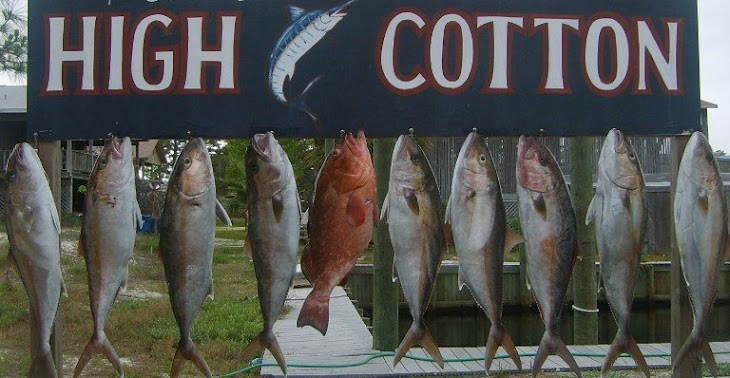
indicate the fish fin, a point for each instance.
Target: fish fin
{"x":448,"y":235}
{"x":539,"y":203}
{"x":394,"y":272}
{"x":624,"y":343}
{"x":300,"y":102}
{"x":553,"y":345}
{"x":64,"y":291}
{"x":447,"y":213}
{"x":296,"y":13}
{"x":512,"y":239}
{"x":593,"y":210}
{"x":11,"y":263}
{"x":139,"y":222}
{"x":384,"y":210}
{"x":210,"y":292}
{"x":315,"y":311}
{"x":498,"y":335}
{"x":376,"y":215}
{"x":461,"y":280}
{"x":277,"y":204}
{"x":43,"y":365}
{"x":265,"y":340}
{"x":98,"y":344}
{"x":412,"y":201}
{"x":703,"y":201}
{"x":54,"y":216}
{"x":186,"y":350}
{"x":626,"y":199}
{"x":247,"y":249}
{"x":221,"y":213}
{"x":418,"y":334}
{"x":82,"y":242}
{"x":28,"y":220}
{"x":356,"y":211}
{"x":698,"y":345}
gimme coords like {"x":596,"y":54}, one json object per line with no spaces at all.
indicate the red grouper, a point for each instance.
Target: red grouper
{"x":187,"y":238}
{"x":479,"y":226}
{"x":618,"y":211}
{"x":33,"y":229}
{"x":549,"y":225}
{"x":341,"y":220}
{"x":111,"y":218}
{"x":700,"y":225}
{"x":273,"y":233}
{"x":412,"y":209}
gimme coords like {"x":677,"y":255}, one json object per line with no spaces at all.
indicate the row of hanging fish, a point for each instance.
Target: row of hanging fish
{"x":341,"y":219}
{"x":340,"y":228}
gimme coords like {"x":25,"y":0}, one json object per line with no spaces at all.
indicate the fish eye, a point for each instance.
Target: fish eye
{"x":11,"y":175}
{"x":102,"y":162}
{"x":415,"y":159}
{"x":253,"y":167}
{"x":482,"y":158}
{"x":543,"y":159}
{"x":336,"y":153}
{"x":632,"y":156}
{"x":187,"y":162}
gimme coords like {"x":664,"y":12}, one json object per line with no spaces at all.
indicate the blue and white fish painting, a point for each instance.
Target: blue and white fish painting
{"x":306,"y":31}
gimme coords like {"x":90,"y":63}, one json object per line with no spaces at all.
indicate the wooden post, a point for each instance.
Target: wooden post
{"x":681,"y":312}
{"x":385,"y":291}
{"x":50,"y":155}
{"x":585,"y":293}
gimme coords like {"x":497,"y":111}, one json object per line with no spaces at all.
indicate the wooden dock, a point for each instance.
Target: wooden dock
{"x":348,"y":342}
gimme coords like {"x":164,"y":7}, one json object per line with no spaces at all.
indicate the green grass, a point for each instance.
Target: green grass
{"x":722,"y":369}
{"x":10,"y":311}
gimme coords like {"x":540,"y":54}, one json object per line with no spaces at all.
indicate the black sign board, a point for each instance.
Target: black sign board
{"x":228,"y":69}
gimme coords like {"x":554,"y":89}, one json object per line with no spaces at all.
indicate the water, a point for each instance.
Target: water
{"x":468,"y":327}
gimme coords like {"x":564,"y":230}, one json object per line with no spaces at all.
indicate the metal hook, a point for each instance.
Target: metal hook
{"x":190,"y":135}
{"x":542,"y":132}
{"x":35,"y":138}
{"x":342,"y":133}
{"x":474,"y":129}
{"x":110,"y":135}
{"x":411,"y":131}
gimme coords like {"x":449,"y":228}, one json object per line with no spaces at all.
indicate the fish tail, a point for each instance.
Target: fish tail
{"x":43,"y":364}
{"x":300,"y":102}
{"x":418,"y":334}
{"x":552,"y":344}
{"x":697,"y":344}
{"x":266,"y":339}
{"x":315,"y":311}
{"x":498,"y":335}
{"x":186,"y":350}
{"x":624,"y":343}
{"x":98,"y":344}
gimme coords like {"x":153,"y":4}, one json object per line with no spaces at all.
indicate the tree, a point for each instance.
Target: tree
{"x":13,"y":39}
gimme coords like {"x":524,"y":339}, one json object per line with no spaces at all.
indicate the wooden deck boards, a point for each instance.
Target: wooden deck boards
{"x":349,"y":341}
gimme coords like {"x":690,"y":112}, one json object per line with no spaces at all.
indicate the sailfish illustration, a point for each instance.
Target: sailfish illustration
{"x":305,"y":32}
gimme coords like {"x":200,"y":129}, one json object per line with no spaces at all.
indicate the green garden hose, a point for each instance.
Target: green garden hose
{"x":256,"y":363}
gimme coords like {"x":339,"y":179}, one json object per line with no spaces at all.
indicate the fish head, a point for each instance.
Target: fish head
{"x":702,"y":170}
{"x":537,"y":169}
{"x":349,"y":165}
{"x":475,"y":165}
{"x":192,"y":174}
{"x":619,"y":161}
{"x":267,"y":166}
{"x":24,"y":170}
{"x":113,"y":168}
{"x":409,"y":166}
{"x":339,"y":12}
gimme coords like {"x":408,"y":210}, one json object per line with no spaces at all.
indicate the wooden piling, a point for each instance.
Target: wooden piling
{"x":585,"y":293}
{"x":681,"y":312}
{"x":50,"y":155}
{"x":385,"y":291}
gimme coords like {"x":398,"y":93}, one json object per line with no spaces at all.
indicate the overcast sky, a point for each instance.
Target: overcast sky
{"x":714,"y":67}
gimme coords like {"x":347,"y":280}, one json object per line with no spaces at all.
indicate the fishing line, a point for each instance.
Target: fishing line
{"x":257,"y":362}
